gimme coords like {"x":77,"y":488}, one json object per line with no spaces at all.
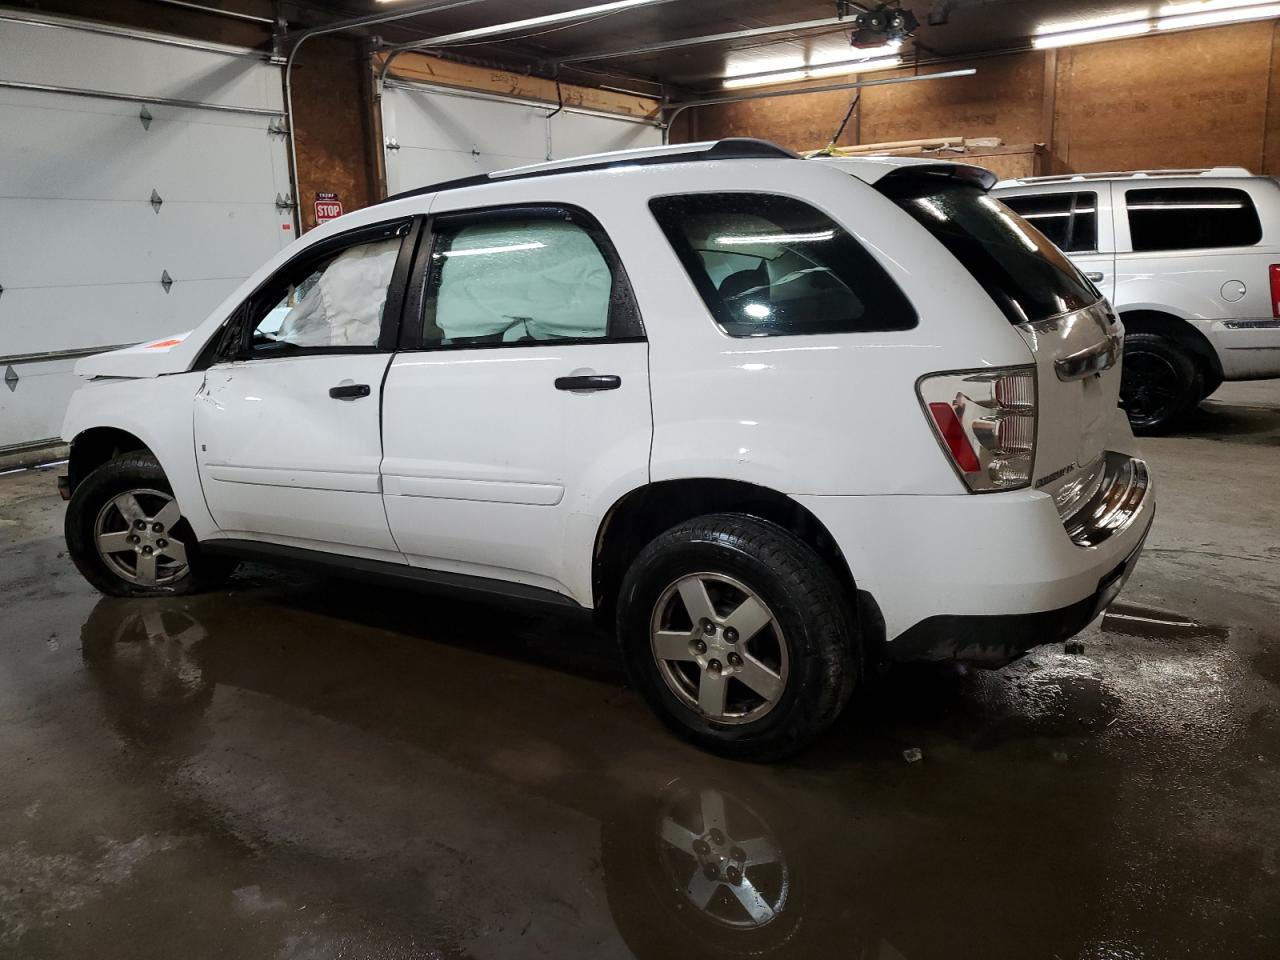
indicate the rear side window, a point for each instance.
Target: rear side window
{"x":769,"y":266}
{"x":1027,"y":276}
{"x":1070,"y":220}
{"x":1191,"y":218}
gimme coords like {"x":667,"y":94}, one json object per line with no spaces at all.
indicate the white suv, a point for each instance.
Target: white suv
{"x":1191,"y":260}
{"x":773,"y":422}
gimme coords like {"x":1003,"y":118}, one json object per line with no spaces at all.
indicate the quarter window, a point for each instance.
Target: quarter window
{"x":770,"y":266}
{"x":524,"y":277}
{"x":1070,"y":220}
{"x":1189,"y":218}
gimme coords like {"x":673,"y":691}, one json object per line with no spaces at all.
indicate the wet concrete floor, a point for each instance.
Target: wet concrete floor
{"x":303,"y":768}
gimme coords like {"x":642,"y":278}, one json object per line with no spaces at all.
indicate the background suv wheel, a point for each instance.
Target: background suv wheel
{"x":1160,"y":385}
{"x":126,"y":533}
{"x":739,"y":636}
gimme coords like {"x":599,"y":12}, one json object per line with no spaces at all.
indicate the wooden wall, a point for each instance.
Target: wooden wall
{"x":1190,"y":99}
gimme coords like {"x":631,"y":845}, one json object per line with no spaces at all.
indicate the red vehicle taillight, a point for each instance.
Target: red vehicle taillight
{"x":986,"y":422}
{"x":1275,"y":290}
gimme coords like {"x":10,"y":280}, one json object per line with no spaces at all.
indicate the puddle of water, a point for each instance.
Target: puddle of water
{"x":1153,"y":624}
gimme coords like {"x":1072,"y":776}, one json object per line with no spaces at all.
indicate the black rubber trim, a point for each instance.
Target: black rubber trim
{"x":731,"y":148}
{"x":993,"y":641}
{"x":482,"y":589}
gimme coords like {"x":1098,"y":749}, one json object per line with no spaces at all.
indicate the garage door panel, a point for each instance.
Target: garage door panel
{"x":469,"y":124}
{"x":76,"y":317}
{"x":575,"y":134}
{"x":105,"y":155}
{"x":82,"y":251}
{"x":78,"y":242}
{"x":55,"y":55}
{"x":33,"y":409}
{"x":412,"y":167}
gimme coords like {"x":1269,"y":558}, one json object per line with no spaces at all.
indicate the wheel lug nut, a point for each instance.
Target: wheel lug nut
{"x":134,"y":538}
{"x":700,"y":647}
{"x":146,"y":550}
{"x":711,"y":871}
{"x":701,"y":847}
{"x":730,"y":635}
{"x":158,"y":527}
{"x":735,"y":660}
{"x":734,"y":874}
{"x":714,"y":667}
{"x":737,"y":853}
{"x":708,"y":627}
{"x":140,"y":524}
{"x":162,"y":543}
{"x":716,"y":836}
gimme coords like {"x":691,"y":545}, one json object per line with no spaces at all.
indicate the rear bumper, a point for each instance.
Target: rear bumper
{"x":996,"y":640}
{"x":1247,"y":349}
{"x":985,"y":578}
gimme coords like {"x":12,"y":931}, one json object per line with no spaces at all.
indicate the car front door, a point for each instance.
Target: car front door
{"x":519,"y":410}
{"x":287,"y":423}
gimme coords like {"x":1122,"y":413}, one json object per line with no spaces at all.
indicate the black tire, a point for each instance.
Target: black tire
{"x":813,"y":621}
{"x":121,"y":474}
{"x":1211,"y":383}
{"x":1161,"y":383}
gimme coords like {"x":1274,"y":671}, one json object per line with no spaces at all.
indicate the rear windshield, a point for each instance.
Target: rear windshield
{"x":1025,"y":274}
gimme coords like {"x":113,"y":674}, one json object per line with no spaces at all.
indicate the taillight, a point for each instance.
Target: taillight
{"x":986,"y":422}
{"x":1275,"y":290}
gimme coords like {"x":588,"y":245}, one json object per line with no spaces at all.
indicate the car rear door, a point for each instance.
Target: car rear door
{"x":287,"y":423}
{"x":518,"y":411}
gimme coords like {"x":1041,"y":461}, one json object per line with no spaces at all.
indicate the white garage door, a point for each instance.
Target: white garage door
{"x":433,"y":134}
{"x":139,"y":176}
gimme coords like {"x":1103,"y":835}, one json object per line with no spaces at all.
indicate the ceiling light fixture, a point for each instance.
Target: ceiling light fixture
{"x":1071,"y":38}
{"x":515,"y":26}
{"x":816,"y":70}
{"x":1214,"y":17}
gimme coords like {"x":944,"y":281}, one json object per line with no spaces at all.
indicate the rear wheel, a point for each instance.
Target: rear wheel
{"x":737,"y":633}
{"x":127,"y":536}
{"x":1160,"y":384}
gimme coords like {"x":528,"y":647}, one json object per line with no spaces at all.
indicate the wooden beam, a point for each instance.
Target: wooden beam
{"x":424,"y":68}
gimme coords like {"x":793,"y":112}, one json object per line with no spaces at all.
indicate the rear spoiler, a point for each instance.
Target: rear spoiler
{"x":923,"y":173}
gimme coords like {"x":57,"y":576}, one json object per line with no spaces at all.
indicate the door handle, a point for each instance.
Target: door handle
{"x":1095,"y":277}
{"x":595,"y":381}
{"x":349,"y":391}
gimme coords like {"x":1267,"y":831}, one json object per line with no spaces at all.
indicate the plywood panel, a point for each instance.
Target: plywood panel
{"x":1271,"y":143}
{"x":1002,"y":100}
{"x":1178,"y":100}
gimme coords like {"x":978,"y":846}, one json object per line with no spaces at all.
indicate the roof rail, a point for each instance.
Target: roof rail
{"x":731,"y":148}
{"x":1129,"y":175}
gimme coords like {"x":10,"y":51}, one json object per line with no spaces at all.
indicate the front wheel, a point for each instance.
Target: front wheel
{"x":738,"y":634}
{"x":1160,"y":383}
{"x":127,"y":536}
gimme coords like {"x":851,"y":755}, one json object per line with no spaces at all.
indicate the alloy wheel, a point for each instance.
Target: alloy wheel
{"x":719,"y":648}
{"x":135,"y":537}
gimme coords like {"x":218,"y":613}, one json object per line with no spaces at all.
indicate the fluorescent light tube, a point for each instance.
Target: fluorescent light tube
{"x":1093,"y":35}
{"x":514,"y":26}
{"x":812,"y":72}
{"x":1216,"y":17}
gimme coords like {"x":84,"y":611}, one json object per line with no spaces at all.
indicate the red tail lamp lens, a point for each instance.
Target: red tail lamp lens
{"x":1275,"y":290}
{"x":952,"y":432}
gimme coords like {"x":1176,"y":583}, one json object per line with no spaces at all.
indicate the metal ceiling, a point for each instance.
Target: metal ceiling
{"x":971,"y":27}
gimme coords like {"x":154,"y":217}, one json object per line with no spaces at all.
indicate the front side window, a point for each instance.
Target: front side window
{"x":1190,"y":218}
{"x":1070,"y":220}
{"x":770,"y":266}
{"x":524,"y":277}
{"x":334,"y":303}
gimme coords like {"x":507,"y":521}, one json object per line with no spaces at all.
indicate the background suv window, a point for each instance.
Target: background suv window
{"x":1070,"y":220}
{"x":523,"y":279}
{"x":1189,"y":218}
{"x":773,"y":266}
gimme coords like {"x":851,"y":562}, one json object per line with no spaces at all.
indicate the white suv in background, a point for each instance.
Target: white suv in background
{"x":768,"y":421}
{"x":1191,"y":261}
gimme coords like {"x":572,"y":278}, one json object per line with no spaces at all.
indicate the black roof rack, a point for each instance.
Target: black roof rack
{"x":730,"y":148}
